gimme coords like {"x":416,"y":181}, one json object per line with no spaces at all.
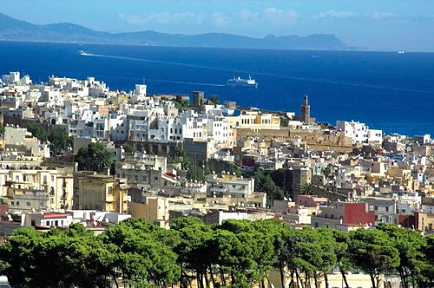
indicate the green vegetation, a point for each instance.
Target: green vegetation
{"x":60,"y":141}
{"x":194,"y":172}
{"x":177,"y":156}
{"x":284,"y":122}
{"x":38,"y":130}
{"x":181,"y":105}
{"x":94,"y":158}
{"x":137,"y":253}
{"x":309,"y":189}
{"x":327,"y":172}
{"x":129,"y":149}
{"x":265,"y":183}
{"x":373,"y":253}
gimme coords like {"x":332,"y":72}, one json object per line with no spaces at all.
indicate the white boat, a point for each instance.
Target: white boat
{"x":239,"y":82}
{"x":401,"y":52}
{"x":82,"y":53}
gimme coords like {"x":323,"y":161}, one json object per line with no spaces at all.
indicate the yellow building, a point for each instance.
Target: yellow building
{"x":57,"y":184}
{"x":335,"y":280}
{"x":157,"y":209}
{"x":254,"y":120}
{"x":99,"y":192}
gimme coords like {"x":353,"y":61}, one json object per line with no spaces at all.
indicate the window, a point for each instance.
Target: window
{"x":28,"y":204}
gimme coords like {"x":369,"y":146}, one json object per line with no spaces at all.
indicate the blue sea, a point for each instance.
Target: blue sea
{"x":386,"y":90}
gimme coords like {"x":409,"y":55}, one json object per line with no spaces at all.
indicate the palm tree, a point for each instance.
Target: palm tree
{"x":308,"y":189}
{"x":102,"y":160}
{"x":95,"y":158}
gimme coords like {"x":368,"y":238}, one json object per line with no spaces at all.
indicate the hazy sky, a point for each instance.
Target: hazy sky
{"x":373,"y":24}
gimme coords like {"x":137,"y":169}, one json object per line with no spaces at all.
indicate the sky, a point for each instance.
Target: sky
{"x":369,"y":24}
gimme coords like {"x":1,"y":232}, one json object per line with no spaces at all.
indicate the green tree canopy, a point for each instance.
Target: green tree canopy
{"x":60,"y":141}
{"x":264,"y":183}
{"x":142,"y":258}
{"x":410,"y":245}
{"x":94,"y":158}
{"x":37,"y":130}
{"x":284,"y":122}
{"x":236,"y":253}
{"x":128,"y":149}
{"x":372,"y":252}
{"x":308,"y":189}
{"x":70,"y":258}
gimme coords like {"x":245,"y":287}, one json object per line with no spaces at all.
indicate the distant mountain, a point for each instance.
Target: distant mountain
{"x":16,"y":30}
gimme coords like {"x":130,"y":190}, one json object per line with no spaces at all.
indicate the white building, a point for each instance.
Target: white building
{"x":21,"y":140}
{"x":12,"y":78}
{"x":209,"y":126}
{"x":359,"y":132}
{"x":139,"y":93}
{"x":230,"y":185}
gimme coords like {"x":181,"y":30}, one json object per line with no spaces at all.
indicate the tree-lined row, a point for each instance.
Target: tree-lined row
{"x":234,"y":254}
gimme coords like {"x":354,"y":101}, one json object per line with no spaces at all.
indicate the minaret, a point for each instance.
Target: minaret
{"x":305,"y":111}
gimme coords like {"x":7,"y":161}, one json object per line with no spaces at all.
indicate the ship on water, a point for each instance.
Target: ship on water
{"x":240,"y":82}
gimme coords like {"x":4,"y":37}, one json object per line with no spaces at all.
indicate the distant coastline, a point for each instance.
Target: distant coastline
{"x":16,"y":30}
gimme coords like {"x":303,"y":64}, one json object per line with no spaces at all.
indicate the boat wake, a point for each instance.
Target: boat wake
{"x":265,"y":74}
{"x":161,"y":62}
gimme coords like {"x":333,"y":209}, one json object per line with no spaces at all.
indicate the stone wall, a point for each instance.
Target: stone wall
{"x":317,"y":140}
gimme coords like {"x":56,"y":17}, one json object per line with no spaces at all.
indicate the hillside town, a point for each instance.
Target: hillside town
{"x":74,"y":151}
{"x":168,"y":156}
